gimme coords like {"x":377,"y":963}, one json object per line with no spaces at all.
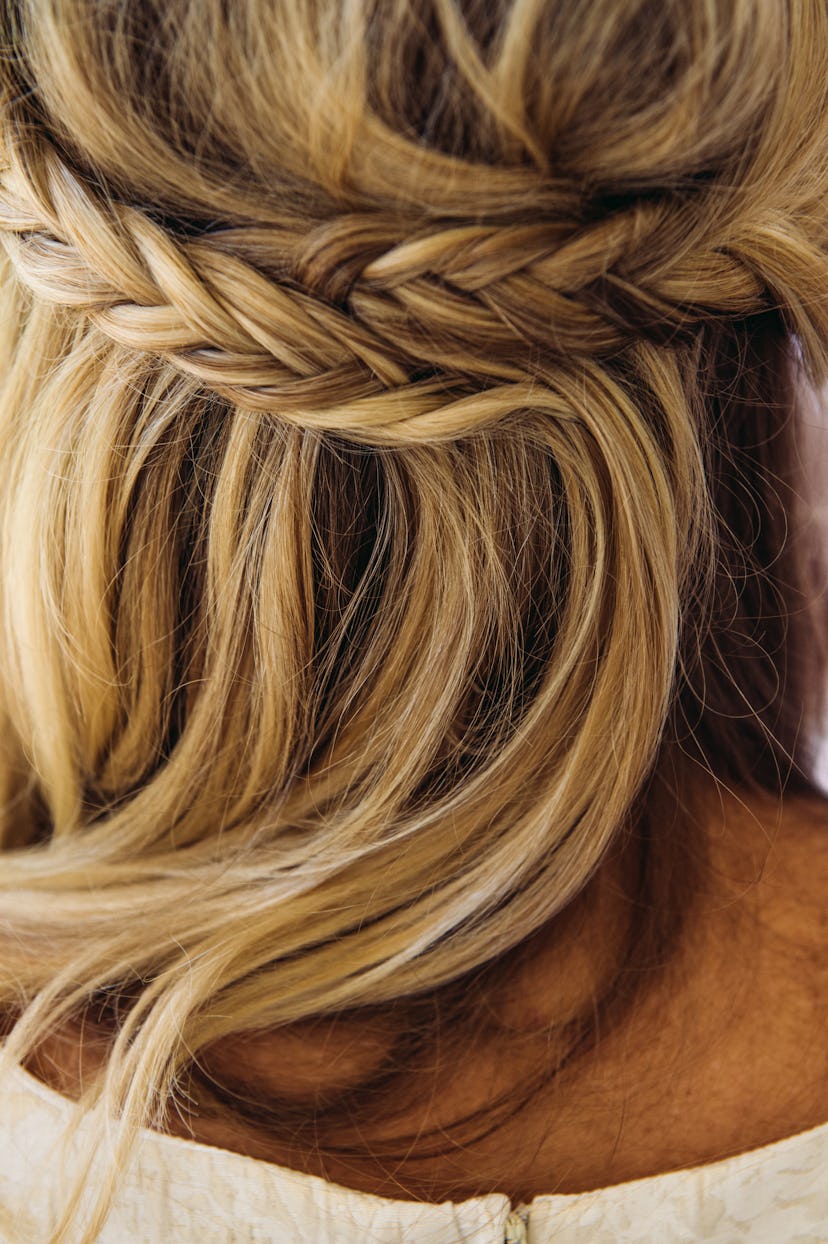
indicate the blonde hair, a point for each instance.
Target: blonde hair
{"x":386,"y":391}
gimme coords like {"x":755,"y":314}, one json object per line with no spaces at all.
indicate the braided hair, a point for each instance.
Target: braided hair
{"x":398,"y":493}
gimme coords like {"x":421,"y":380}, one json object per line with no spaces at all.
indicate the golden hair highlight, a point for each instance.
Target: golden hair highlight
{"x":381,"y":423}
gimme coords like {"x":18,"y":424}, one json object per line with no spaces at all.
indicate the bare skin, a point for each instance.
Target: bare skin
{"x":727,"y":1054}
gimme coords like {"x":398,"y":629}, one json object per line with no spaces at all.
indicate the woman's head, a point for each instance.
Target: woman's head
{"x":398,"y":461}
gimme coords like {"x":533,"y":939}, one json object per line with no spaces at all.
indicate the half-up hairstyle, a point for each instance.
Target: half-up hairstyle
{"x":398,"y":492}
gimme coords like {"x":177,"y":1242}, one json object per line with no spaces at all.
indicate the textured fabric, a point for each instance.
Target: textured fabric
{"x":179,"y":1192}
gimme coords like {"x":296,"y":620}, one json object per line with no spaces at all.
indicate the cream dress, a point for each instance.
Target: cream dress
{"x":180,"y":1192}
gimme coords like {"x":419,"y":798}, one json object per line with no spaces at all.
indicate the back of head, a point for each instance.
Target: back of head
{"x":398,"y":462}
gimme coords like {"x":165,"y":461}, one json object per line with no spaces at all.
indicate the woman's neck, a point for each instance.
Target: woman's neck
{"x":708,"y":1061}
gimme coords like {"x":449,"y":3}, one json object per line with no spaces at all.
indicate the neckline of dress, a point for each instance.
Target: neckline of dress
{"x":712,"y":1172}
